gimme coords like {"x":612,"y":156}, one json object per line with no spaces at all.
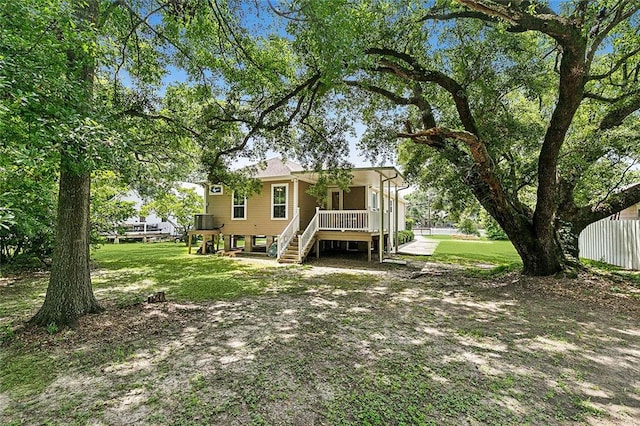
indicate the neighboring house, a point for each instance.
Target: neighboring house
{"x":285,"y":213}
{"x":150,"y":226}
{"x":630,"y":213}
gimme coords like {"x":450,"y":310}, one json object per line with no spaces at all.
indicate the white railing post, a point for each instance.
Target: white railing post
{"x":287,"y":234}
{"x":307,"y":236}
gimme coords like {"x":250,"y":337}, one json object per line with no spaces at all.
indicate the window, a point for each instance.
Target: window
{"x":239,"y":208}
{"x":279,"y":201}
{"x":142,"y":219}
{"x":374,"y":201}
{"x":216,"y":190}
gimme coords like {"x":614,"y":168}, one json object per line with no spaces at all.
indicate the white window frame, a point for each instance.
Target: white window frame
{"x":374,"y":201}
{"x":234,"y":205}
{"x":286,"y":201}
{"x":216,"y":190}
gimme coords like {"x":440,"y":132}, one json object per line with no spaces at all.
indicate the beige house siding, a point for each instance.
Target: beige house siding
{"x":307,"y":204}
{"x":354,"y":199}
{"x":258,"y":212}
{"x":629,"y":213}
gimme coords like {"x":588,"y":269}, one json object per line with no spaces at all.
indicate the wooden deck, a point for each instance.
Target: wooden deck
{"x":370,"y":238}
{"x":206,"y":233}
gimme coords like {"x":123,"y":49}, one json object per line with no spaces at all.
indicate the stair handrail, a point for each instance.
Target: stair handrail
{"x":288,"y":233}
{"x":307,"y":236}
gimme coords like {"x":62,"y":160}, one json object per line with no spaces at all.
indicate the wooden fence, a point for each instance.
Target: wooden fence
{"x":613,"y":241}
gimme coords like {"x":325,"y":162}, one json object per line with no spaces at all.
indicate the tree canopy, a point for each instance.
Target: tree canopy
{"x":532,"y":109}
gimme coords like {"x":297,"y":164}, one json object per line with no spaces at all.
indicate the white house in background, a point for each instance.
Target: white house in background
{"x":143,"y":227}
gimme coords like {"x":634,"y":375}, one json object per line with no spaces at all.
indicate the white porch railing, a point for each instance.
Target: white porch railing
{"x":288,"y":233}
{"x":307,"y":236}
{"x":348,"y":220}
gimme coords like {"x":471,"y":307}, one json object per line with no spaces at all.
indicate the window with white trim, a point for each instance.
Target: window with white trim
{"x":239,"y":207}
{"x":374,"y":201}
{"x":279,"y":201}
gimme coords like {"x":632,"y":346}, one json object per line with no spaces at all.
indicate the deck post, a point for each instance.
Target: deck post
{"x":204,"y":244}
{"x":248,"y":243}
{"x":369,"y":250}
{"x":227,"y":242}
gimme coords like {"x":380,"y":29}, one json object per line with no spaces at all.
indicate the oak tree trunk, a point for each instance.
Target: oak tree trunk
{"x":69,"y":294}
{"x":540,"y":256}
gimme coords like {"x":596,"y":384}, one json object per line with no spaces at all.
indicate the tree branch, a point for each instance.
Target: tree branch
{"x":616,"y":66}
{"x":620,"y":111}
{"x":618,"y":17}
{"x":259,"y":123}
{"x":417,"y":73}
{"x":616,"y":202}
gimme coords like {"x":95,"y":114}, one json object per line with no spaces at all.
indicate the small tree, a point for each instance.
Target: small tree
{"x":178,"y":207}
{"x":108,"y":210}
{"x":492,"y":227}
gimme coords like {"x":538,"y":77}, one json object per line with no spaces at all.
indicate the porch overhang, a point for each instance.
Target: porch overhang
{"x":364,"y":176}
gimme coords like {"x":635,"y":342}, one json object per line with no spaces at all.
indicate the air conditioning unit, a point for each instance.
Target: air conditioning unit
{"x":204,"y":221}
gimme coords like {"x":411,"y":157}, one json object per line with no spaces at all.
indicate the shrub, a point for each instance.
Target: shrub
{"x":408,"y":224}
{"x":405,"y":236}
{"x":468,"y":226}
{"x":493,"y":229}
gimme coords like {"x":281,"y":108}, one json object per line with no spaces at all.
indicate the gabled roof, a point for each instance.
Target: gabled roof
{"x":277,"y":167}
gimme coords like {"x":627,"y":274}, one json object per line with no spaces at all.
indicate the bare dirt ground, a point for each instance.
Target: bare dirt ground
{"x":351,"y":344}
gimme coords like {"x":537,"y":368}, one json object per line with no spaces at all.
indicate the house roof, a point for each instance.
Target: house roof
{"x":277,"y":167}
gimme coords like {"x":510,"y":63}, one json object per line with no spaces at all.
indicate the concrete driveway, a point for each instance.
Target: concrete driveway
{"x":419,"y":247}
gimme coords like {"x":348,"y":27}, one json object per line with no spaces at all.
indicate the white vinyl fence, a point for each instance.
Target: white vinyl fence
{"x":613,"y":241}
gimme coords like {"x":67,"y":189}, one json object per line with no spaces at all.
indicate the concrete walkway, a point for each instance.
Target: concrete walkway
{"x":419,"y":247}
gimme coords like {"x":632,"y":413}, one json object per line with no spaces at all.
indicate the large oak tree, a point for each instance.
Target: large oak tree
{"x":534,"y":109}
{"x":100,"y":84}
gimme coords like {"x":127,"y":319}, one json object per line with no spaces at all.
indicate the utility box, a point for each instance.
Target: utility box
{"x":203,"y":222}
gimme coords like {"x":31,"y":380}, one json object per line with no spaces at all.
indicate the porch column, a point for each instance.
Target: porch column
{"x":390,"y":240}
{"x":381,"y":241}
{"x":395,"y":214}
{"x":227,"y":242}
{"x":248,"y":243}
{"x":296,"y":208}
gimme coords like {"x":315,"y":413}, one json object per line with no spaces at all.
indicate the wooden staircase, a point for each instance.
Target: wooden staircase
{"x":291,"y":253}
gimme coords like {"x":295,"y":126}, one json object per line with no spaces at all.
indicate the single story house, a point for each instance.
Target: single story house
{"x":359,"y":218}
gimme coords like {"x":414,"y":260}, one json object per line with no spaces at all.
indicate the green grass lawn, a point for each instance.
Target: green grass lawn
{"x":337,"y":343}
{"x":135,"y":269}
{"x":473,"y":252}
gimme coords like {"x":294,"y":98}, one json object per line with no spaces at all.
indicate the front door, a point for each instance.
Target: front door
{"x":335,"y":199}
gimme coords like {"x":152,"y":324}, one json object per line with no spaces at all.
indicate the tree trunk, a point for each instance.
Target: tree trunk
{"x":541,"y":255}
{"x":69,"y":294}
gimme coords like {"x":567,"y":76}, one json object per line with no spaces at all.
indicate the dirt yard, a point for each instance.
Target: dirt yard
{"x":348,"y":344}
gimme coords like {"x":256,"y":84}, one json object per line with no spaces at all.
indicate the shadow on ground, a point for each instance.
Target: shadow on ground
{"x":328,"y":344}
